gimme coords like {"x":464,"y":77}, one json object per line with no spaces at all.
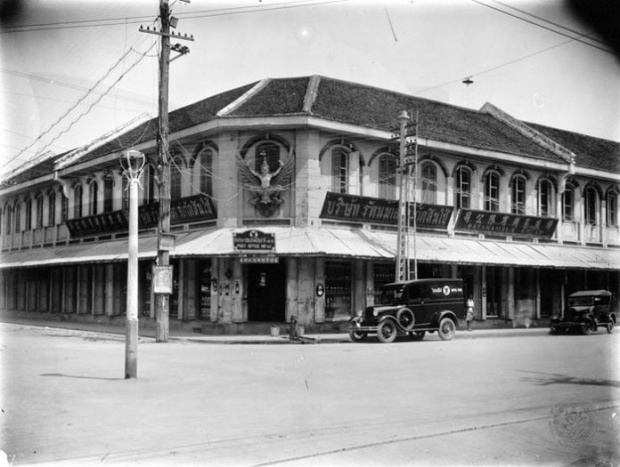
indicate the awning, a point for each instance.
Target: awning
{"x":336,"y":243}
{"x":101,"y":252}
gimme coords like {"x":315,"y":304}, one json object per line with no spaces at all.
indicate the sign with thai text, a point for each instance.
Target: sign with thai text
{"x":190,"y":209}
{"x":382,"y":211}
{"x":97,"y":225}
{"x":504,"y":224}
{"x":262,"y":259}
{"x":254,"y":240}
{"x":162,"y":279}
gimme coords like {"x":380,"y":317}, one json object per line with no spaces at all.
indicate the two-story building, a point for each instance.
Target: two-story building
{"x":284,"y":198}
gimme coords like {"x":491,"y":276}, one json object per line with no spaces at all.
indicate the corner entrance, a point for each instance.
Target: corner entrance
{"x":267,"y":292}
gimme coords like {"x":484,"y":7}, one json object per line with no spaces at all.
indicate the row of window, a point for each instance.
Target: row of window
{"x":197,"y":176}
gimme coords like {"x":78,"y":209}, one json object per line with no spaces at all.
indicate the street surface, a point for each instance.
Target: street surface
{"x":527,"y":400}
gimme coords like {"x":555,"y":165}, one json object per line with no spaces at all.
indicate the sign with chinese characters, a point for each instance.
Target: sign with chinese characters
{"x":382,"y":211}
{"x":254,"y":240}
{"x":504,"y":224}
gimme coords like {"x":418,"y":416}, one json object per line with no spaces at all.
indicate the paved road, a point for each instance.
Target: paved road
{"x":493,"y":401}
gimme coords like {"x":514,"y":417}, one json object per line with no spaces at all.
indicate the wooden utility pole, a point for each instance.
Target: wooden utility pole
{"x":163,"y":273}
{"x":162,"y":300}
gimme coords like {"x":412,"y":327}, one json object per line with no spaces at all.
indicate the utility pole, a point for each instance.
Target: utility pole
{"x":402,"y":252}
{"x":162,"y":273}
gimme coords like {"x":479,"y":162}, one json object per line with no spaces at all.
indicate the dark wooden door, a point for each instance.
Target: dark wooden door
{"x":266,"y":292}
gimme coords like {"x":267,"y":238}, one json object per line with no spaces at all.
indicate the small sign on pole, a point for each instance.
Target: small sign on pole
{"x":162,"y":279}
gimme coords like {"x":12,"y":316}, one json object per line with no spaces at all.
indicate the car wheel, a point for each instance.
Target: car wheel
{"x":405,"y":318}
{"x":358,"y":336}
{"x":588,"y":327}
{"x":386,"y":331}
{"x":610,"y":327}
{"x":553,"y":331}
{"x":447,"y":329}
{"x":417,"y":335}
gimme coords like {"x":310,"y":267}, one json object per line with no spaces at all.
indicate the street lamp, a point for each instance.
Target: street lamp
{"x":132,"y":163}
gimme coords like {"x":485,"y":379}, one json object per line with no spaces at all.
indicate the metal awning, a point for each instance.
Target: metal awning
{"x":102,"y":252}
{"x":332,"y":242}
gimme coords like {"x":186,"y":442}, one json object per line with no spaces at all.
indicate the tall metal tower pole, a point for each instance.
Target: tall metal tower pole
{"x":402,"y":252}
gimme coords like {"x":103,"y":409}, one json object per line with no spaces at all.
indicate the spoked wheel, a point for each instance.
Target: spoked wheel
{"x":386,"y":331}
{"x":447,"y":329}
{"x":588,"y":327}
{"x":417,"y":335}
{"x":610,"y":327}
{"x":405,"y":318}
{"x":357,"y":336}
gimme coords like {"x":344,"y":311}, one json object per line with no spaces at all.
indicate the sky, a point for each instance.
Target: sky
{"x":73,"y":70}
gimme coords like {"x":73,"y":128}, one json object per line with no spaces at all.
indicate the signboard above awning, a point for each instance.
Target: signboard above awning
{"x":504,"y":224}
{"x":364,"y":209}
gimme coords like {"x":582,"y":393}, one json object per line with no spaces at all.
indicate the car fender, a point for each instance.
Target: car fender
{"x":388,"y":318}
{"x":444,"y":314}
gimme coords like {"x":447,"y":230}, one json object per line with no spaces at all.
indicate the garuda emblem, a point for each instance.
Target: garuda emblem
{"x":267,"y":186}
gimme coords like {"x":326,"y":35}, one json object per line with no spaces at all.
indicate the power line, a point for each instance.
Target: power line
{"x":540,"y":18}
{"x":79,"y":117}
{"x":186,"y":15}
{"x":545,"y":27}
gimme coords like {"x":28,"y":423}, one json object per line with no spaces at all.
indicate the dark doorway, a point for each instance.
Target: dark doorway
{"x":266,"y":292}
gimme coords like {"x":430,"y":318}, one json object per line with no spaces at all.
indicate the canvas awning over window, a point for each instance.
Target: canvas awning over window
{"x":332,"y":242}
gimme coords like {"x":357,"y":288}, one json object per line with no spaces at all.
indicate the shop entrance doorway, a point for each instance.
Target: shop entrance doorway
{"x":266,"y":292}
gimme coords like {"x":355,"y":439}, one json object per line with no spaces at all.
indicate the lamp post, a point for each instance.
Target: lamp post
{"x":132,"y":163}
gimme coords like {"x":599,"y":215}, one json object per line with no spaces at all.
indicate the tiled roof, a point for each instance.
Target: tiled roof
{"x":592,"y":153}
{"x":365,"y":106}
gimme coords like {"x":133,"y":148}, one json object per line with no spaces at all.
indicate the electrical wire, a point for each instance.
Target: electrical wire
{"x":545,"y":27}
{"x":188,"y":15}
{"x":90,"y":106}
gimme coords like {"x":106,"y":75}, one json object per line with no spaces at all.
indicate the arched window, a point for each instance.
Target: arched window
{"x":28,"y":214}
{"x":591,"y":205}
{"x":429,"y":183}
{"x":612,"y":208}
{"x":518,"y":195}
{"x":39,"y":211}
{"x":491,"y":192}
{"x":77,"y":201}
{"x":94,"y":197}
{"x":64,"y":208}
{"x":545,"y":198}
{"x":18,"y":217}
{"x":463,"y":188}
{"x":148,"y":184}
{"x":387,"y":176}
{"x":108,"y":195}
{"x":51,"y":213}
{"x":204,"y":160}
{"x":568,"y":203}
{"x":9,"y":220}
{"x":176,"y":178}
{"x":340,"y":170}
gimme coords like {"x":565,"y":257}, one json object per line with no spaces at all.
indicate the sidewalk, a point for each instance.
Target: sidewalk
{"x":102,"y":330}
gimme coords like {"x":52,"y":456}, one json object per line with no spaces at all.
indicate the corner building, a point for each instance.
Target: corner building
{"x":284,"y":197}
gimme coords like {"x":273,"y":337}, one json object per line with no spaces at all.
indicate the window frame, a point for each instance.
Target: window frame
{"x":518,"y":199}
{"x":492,"y":191}
{"x":429,"y":184}
{"x":460,"y":193}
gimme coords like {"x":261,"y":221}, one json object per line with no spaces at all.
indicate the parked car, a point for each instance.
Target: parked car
{"x":412,"y":308}
{"x":585,"y":312}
